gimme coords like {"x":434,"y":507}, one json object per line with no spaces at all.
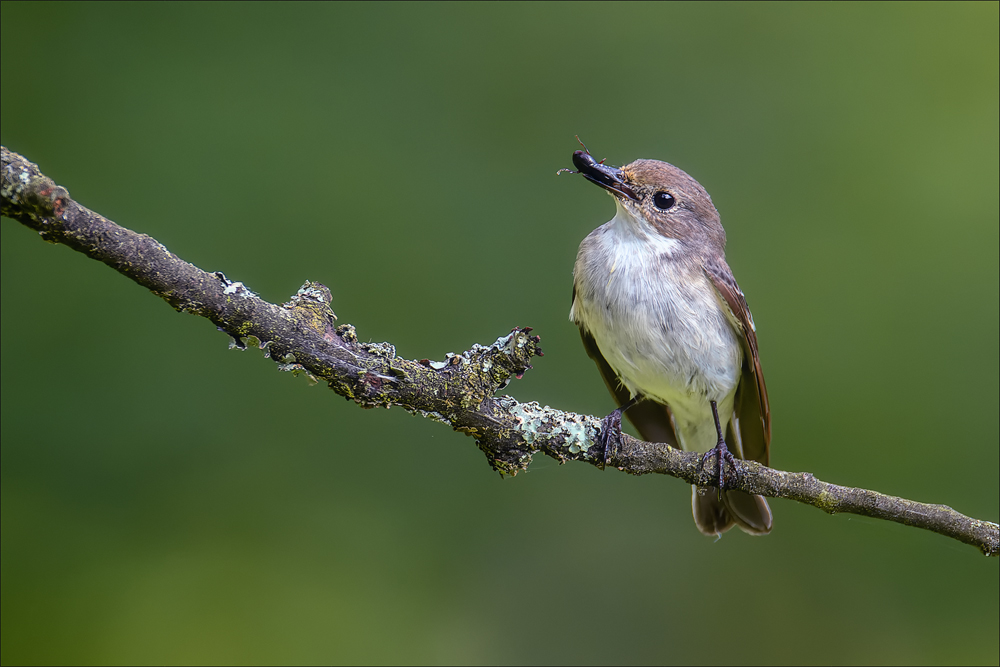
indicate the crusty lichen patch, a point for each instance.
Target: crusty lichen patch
{"x":551,"y":429}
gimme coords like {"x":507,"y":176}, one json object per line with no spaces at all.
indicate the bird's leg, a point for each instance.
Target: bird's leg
{"x":722,"y":453}
{"x":611,"y":430}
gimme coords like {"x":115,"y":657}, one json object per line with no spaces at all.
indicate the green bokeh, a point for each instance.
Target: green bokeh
{"x":166,"y":500}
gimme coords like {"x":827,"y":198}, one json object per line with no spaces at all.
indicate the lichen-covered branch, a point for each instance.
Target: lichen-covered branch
{"x":302,"y":337}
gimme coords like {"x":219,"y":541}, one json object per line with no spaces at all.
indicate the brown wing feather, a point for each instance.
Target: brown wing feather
{"x":651,"y":419}
{"x":751,"y":408}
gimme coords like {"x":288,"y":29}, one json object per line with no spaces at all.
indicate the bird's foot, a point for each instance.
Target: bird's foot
{"x":610,"y":435}
{"x":722,"y":453}
{"x":722,"y":457}
{"x":611,"y":430}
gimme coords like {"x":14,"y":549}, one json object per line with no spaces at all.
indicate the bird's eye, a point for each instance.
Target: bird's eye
{"x":663,"y":200}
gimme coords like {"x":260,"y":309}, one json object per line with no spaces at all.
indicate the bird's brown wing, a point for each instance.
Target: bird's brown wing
{"x":650,"y":418}
{"x":751,"y":408}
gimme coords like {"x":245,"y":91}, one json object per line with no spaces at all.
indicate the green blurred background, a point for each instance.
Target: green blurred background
{"x":166,"y":500}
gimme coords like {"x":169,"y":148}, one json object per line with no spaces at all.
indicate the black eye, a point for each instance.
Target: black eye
{"x":663,"y":200}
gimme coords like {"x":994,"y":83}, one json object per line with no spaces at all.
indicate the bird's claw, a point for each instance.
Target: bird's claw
{"x":610,"y":435}
{"x":722,"y":457}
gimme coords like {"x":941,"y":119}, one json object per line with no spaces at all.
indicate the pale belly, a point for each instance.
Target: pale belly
{"x":665,"y":334}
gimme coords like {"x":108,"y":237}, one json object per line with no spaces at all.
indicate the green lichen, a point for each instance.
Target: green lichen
{"x":235,"y":288}
{"x":827,"y":502}
{"x":298,"y":369}
{"x":384,"y":350}
{"x":347,"y":333}
{"x":576,"y":432}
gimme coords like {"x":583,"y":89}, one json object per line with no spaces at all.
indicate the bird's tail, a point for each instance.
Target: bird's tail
{"x":714,"y":516}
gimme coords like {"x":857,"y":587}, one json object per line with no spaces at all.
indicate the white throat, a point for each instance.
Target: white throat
{"x":638,"y":235}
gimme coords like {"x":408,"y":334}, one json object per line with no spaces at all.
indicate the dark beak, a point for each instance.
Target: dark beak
{"x":608,"y":177}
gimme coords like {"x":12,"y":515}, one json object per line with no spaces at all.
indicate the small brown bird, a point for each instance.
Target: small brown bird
{"x":661,"y":314}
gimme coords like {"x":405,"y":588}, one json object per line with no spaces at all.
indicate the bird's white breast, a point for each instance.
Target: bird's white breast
{"x":659,"y":323}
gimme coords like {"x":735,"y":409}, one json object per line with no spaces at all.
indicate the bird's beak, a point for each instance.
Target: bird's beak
{"x":610,"y":178}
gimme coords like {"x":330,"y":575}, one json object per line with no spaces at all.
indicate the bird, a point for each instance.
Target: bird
{"x":661,"y":314}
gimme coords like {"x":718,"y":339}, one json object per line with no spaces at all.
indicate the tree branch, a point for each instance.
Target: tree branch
{"x":301,"y":337}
